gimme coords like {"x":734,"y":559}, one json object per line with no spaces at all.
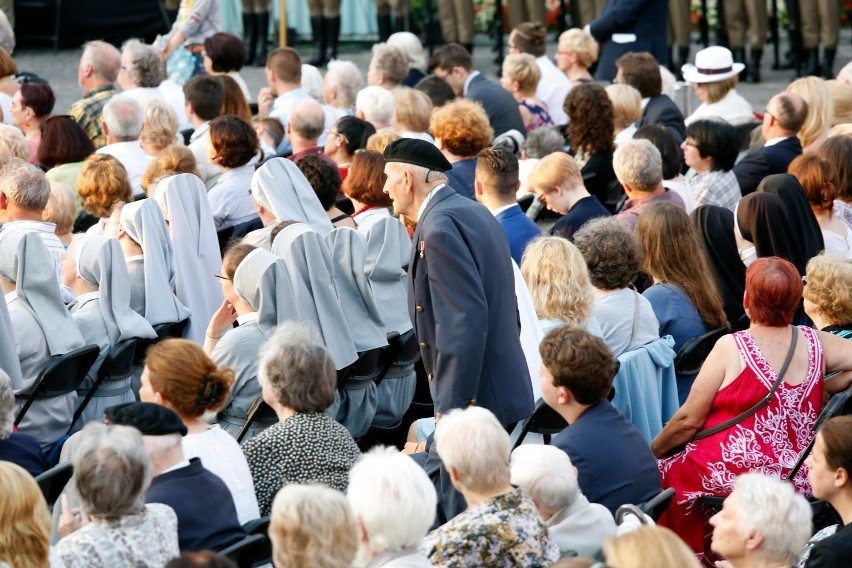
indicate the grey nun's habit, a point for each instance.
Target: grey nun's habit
{"x":388,"y":250}
{"x":105,"y":318}
{"x":143,"y":222}
{"x":43,"y":328}
{"x":183,"y":199}
{"x":309,"y":270}
{"x":282,"y":189}
{"x":9,"y":362}
{"x":348,"y":254}
{"x":261,"y":281}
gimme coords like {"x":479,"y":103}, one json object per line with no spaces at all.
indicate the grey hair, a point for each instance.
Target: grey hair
{"x":546,"y":474}
{"x":13,"y":143}
{"x":124,"y":117}
{"x":638,"y":163}
{"x":145,"y":66}
{"x":409,"y":44}
{"x":542,"y":142}
{"x":298,"y":368}
{"x":111,"y":470}
{"x":420,"y":172}
{"x":7,"y":405}
{"x":307,"y":119}
{"x":7,"y":35}
{"x":104,"y":58}
{"x":345,"y":78}
{"x":390,"y":62}
{"x":774,"y":509}
{"x":24,"y":184}
{"x":474,"y":443}
{"x":376,"y":103}
{"x":156,"y":445}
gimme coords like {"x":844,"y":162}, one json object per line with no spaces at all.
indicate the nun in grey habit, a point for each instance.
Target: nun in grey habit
{"x":42,"y":328}
{"x":348,"y":255}
{"x":261,"y":282}
{"x":9,"y":362}
{"x":283,"y":194}
{"x":183,"y":200}
{"x":152,"y":274}
{"x":388,"y":251}
{"x":104,"y":317}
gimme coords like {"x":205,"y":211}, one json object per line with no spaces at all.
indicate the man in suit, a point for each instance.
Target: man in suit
{"x":461,"y":298}
{"x":453,"y":64}
{"x":783,"y":118}
{"x":496,"y":186}
{"x":614,"y":462}
{"x":629,"y":25}
{"x":642,"y":72}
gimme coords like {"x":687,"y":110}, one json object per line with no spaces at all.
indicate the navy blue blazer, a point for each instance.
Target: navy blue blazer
{"x":764,"y":161}
{"x":614,"y":462}
{"x":23,"y":450}
{"x":646,"y":19}
{"x":462,"y":176}
{"x":461,"y":299}
{"x":662,"y":110}
{"x":519,"y":228}
{"x":500,"y":106}
{"x":207,"y":518}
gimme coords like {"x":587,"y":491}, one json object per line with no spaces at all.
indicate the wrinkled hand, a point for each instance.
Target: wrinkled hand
{"x":71,"y":519}
{"x":265,"y":98}
{"x":223,"y":319}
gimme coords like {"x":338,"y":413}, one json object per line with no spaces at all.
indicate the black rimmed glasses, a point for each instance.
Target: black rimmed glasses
{"x":221,"y":276}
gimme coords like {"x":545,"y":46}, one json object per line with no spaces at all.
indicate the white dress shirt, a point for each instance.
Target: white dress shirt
{"x":133,"y":158}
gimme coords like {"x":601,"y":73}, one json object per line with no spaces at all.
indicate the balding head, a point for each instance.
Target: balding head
{"x":103,"y":61}
{"x":305,"y":124}
{"x":785,"y":114}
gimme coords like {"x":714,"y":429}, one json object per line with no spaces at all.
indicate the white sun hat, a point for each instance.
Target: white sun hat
{"x":712,"y":64}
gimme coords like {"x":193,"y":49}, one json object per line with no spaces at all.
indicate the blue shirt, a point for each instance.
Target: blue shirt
{"x":583,"y":211}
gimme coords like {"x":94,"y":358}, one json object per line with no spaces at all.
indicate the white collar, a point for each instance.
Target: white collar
{"x":184,"y":463}
{"x":13,"y":295}
{"x":247,"y":318}
{"x":133,"y":258}
{"x":499,"y":210}
{"x":467,"y":81}
{"x":644,"y":102}
{"x":87,"y":297}
{"x":200,"y":131}
{"x":774,"y":141}
{"x":429,"y":197}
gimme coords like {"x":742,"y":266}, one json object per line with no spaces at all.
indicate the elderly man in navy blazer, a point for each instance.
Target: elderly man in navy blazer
{"x":496,"y":186}
{"x":461,"y":297}
{"x":785,"y":113}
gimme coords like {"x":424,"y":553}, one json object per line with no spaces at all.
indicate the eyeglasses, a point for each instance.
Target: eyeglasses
{"x":692,"y":143}
{"x":221,"y":276}
{"x":336,"y":133}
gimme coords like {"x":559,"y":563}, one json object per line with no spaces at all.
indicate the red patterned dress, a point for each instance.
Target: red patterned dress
{"x":769,"y":442}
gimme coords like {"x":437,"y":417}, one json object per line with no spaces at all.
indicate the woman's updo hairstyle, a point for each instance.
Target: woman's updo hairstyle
{"x":186,"y":377}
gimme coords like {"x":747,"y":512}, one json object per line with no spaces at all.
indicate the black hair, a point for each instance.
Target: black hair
{"x":661,"y":137}
{"x":715,"y":139}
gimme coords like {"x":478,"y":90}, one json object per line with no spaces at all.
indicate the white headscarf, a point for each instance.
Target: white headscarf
{"x":261,"y":281}
{"x":388,"y":252}
{"x":280,"y":186}
{"x":24,"y":260}
{"x":99,"y":261}
{"x":309,"y":269}
{"x":9,"y":361}
{"x":348,"y":256}
{"x":143,"y":221}
{"x":183,"y":200}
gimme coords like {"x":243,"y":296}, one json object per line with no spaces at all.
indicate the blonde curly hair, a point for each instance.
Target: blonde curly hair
{"x":829,"y":287}
{"x":558,"y":280}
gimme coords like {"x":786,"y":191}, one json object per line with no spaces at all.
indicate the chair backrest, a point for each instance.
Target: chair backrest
{"x":165,"y":330}
{"x":53,"y":481}
{"x":838,"y":405}
{"x":63,"y":374}
{"x":258,"y":410}
{"x":257,"y":526}
{"x":692,"y":354}
{"x":367,"y":367}
{"x":655,"y":507}
{"x":249,"y":551}
{"x":118,"y":363}
{"x":544,"y":420}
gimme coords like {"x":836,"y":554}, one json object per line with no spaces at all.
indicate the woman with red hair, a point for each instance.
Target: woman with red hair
{"x":726,"y":430}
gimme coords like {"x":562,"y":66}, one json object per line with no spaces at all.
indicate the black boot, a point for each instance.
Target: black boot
{"x":753,"y":68}
{"x":250,"y":36}
{"x":828,"y":63}
{"x":172,"y":16}
{"x":682,"y":59}
{"x":319,"y":38}
{"x":739,"y":57}
{"x":332,"y":31}
{"x":399,"y":23}
{"x":811,"y":62}
{"x":672,"y":63}
{"x":384,"y":27}
{"x":262,"y":37}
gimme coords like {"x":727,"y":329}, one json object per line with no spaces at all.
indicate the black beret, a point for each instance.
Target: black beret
{"x":418,"y":153}
{"x":149,"y":418}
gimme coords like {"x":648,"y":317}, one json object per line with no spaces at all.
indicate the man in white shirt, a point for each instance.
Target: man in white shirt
{"x":284,"y":77}
{"x":204,"y":96}
{"x":24,"y":192}
{"x":123,"y":118}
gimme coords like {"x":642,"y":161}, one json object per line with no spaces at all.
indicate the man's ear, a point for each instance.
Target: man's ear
{"x":104,"y":128}
{"x":477,"y":187}
{"x":565,"y":396}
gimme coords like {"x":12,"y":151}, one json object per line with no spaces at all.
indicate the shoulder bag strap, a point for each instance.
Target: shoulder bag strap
{"x":762,"y":402}
{"x":635,"y":327}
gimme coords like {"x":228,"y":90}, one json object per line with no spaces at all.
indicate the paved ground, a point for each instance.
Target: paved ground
{"x":61,"y":69}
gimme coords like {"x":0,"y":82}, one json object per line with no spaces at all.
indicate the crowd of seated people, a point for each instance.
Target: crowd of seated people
{"x":224,"y":318}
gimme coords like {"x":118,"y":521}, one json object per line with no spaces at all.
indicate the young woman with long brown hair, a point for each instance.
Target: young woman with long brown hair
{"x":685,"y":302}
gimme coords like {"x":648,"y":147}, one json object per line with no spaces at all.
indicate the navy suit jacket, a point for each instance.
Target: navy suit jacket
{"x":764,"y":161}
{"x":662,"y":110}
{"x":519,"y":228}
{"x":646,"y":19}
{"x":462,"y":176}
{"x":500,"y":106}
{"x":614,"y":462}
{"x":207,"y":518}
{"x":461,"y":298}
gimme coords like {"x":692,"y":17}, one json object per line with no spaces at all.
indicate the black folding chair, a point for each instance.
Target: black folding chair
{"x":63,"y":374}
{"x":53,"y":481}
{"x":258,"y":410}
{"x":117,"y":366}
{"x":544,"y":421}
{"x":655,"y":507}
{"x":403,"y":350}
{"x":692,"y":354}
{"x":166,"y":330}
{"x":253,"y":549}
{"x":257,"y":526}
{"x":367,"y":367}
